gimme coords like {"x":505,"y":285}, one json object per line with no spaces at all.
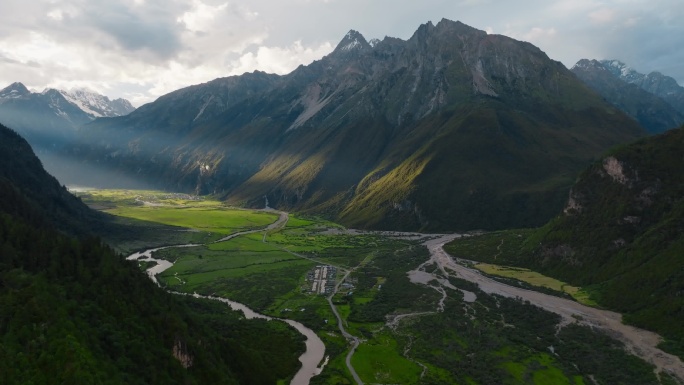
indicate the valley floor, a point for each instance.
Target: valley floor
{"x":402,"y":311}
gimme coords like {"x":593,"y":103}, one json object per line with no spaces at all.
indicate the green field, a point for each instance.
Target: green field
{"x":209,"y":219}
{"x":143,"y":219}
{"x":174,"y":209}
{"x":380,"y":361}
{"x":540,"y":370}
{"x":536,"y":279}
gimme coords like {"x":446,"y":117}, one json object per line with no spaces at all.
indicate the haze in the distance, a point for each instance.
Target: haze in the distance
{"x":142,"y":49}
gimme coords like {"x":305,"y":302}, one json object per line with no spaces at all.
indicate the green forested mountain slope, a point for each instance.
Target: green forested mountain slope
{"x":621,"y":235}
{"x":41,"y":195}
{"x":72,"y":311}
{"x":450,"y":129}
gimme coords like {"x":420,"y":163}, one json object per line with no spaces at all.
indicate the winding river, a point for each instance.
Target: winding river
{"x":315,"y":349}
{"x":639,"y":342}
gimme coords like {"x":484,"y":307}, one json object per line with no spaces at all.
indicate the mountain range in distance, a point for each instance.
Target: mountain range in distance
{"x":50,"y":118}
{"x":451,"y":129}
{"x":656,"y":101}
{"x":90,"y":102}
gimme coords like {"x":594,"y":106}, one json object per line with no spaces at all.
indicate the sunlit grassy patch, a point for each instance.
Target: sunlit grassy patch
{"x":541,"y":370}
{"x":536,"y":279}
{"x":177,"y":210}
{"x":380,"y":361}
{"x":214,"y":219}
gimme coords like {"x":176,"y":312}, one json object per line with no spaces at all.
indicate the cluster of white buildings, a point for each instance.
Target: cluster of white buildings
{"x":322,"y":279}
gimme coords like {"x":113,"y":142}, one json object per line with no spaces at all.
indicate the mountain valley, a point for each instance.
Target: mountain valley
{"x":453,"y":208}
{"x":378,"y":136}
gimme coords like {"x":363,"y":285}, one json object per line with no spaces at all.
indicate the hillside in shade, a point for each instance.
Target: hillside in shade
{"x":74,"y":312}
{"x":620,"y":235}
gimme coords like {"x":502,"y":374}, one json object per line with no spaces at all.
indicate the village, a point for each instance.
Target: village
{"x":322,"y":279}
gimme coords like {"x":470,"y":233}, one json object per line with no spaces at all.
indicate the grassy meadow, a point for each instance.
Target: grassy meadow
{"x":538,"y":280}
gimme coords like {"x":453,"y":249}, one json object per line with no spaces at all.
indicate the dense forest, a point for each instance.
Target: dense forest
{"x":73,"y":311}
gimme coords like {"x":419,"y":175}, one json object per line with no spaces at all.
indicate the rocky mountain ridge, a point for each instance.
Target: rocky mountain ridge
{"x":452,"y":128}
{"x":654,"y":82}
{"x":50,"y":118}
{"x":97,"y":105}
{"x":619,"y":85}
{"x":90,"y":102}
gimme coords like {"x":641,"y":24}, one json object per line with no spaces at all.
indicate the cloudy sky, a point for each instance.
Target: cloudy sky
{"x":141,"y":49}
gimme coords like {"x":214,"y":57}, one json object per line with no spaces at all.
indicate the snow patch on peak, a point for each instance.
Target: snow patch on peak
{"x":14,"y":91}
{"x":353,"y":40}
{"x":352,"y":35}
{"x":96,"y":105}
{"x":584,"y":64}
{"x":351,"y":45}
{"x":625,"y":70}
{"x":622,"y":70}
{"x":88,"y":102}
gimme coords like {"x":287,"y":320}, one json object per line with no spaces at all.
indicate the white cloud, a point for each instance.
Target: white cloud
{"x":279,"y":60}
{"x":602,"y":16}
{"x":142,"y":49}
{"x":537,"y":34}
{"x":202,"y":16}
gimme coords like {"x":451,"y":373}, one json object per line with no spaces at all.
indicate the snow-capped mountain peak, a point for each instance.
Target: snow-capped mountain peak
{"x":14,"y":90}
{"x":352,"y":41}
{"x":75,"y":107}
{"x":95,"y":104}
{"x":587,"y":64}
{"x":622,"y":70}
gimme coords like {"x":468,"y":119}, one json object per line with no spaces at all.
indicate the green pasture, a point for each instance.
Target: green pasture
{"x":380,"y":361}
{"x":244,"y":243}
{"x":540,"y":369}
{"x":210,"y":219}
{"x":536,"y":279}
{"x":180,"y":210}
{"x":198,"y":266}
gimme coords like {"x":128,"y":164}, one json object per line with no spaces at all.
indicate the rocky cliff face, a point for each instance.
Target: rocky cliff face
{"x":453,"y":128}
